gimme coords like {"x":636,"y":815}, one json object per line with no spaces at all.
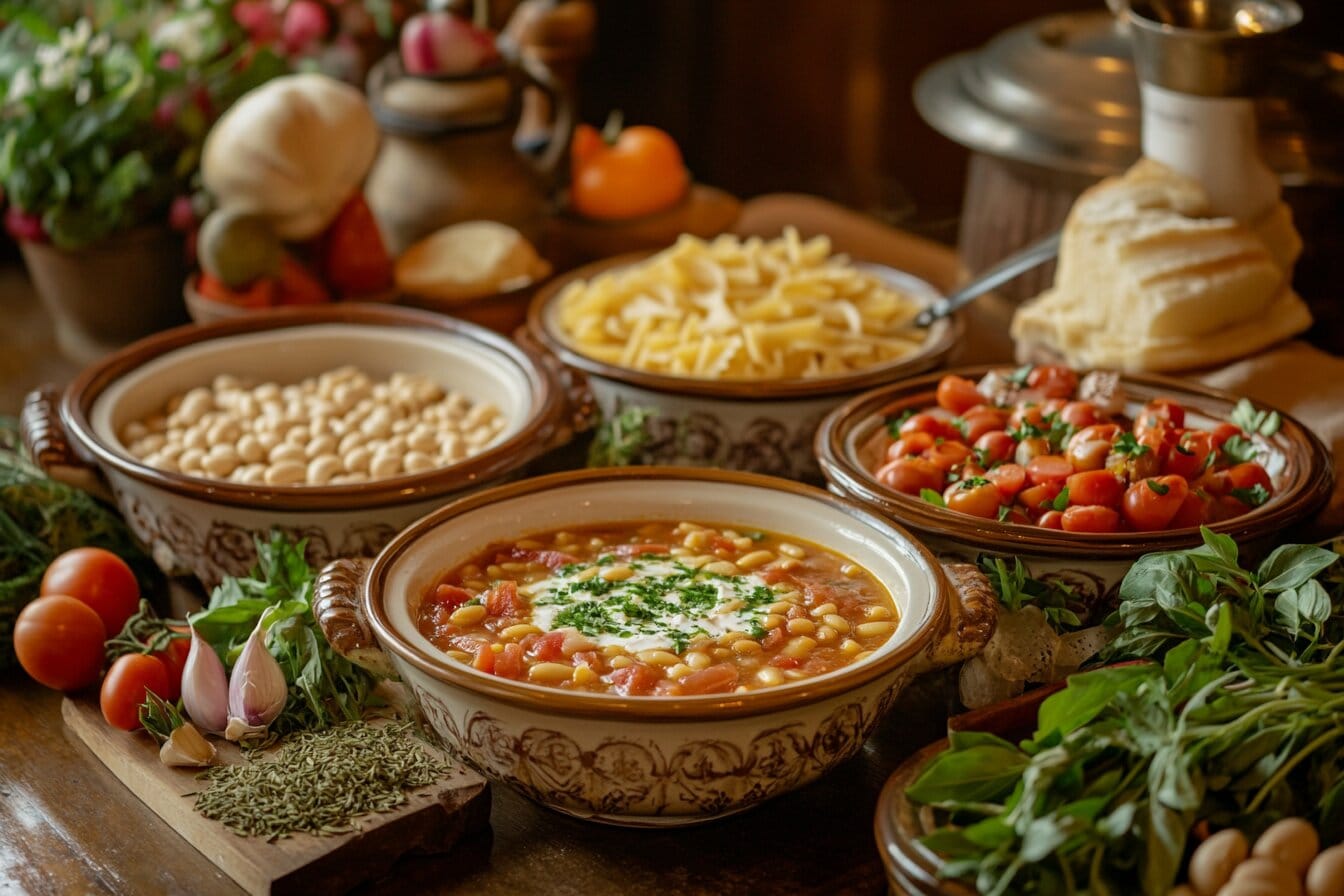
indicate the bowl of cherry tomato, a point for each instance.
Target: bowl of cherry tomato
{"x":1077,"y":473}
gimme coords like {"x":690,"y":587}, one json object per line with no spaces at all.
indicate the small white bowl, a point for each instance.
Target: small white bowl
{"x":206,"y":526}
{"x":652,"y":761}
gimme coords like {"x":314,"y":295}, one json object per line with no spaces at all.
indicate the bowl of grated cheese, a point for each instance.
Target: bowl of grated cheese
{"x":729,"y":352}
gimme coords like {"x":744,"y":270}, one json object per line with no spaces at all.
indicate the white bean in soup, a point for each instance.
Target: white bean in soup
{"x":657,"y":609}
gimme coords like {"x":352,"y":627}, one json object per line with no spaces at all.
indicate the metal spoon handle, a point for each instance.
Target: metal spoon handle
{"x":1038,"y":253}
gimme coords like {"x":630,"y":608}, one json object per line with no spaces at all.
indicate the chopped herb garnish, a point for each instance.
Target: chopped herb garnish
{"x":1019,"y":376}
{"x":1157,"y":487}
{"x":1244,"y":415}
{"x":894,"y":424}
{"x":1004,"y":510}
{"x":929,"y":496}
{"x":756,"y":536}
{"x":1239,"y":450}
{"x":959,"y":424}
{"x":1129,"y":446}
{"x":1061,"y":501}
{"x":1253,"y":496}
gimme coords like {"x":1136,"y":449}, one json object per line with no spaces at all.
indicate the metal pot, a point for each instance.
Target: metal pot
{"x":1052,"y":106}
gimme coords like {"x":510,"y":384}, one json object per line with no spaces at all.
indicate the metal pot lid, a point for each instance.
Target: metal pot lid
{"x":1061,"y":92}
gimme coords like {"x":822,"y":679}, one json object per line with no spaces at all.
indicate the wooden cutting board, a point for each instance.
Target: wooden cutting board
{"x":433,"y":819}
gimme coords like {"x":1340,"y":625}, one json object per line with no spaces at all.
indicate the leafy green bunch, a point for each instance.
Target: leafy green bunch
{"x":1234,"y":717}
{"x":105,"y":107}
{"x":325,"y":689}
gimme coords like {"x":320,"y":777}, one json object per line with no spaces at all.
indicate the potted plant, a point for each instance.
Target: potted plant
{"x":100,"y":133}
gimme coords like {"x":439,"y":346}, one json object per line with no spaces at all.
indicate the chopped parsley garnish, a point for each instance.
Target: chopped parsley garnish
{"x":1004,"y":510}
{"x":894,"y":424}
{"x":1061,"y":501}
{"x":974,"y":482}
{"x":1129,"y":446}
{"x":1239,"y":450}
{"x":1157,"y":487}
{"x":1055,"y":431}
{"x":1253,"y":496}
{"x":929,"y":496}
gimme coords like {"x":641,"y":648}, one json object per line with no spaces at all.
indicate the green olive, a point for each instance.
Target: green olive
{"x":237,"y":248}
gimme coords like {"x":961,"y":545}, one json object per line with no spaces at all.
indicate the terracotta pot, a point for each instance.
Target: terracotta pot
{"x":109,"y":294}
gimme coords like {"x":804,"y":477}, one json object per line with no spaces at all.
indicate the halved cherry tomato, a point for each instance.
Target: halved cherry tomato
{"x":1033,"y":414}
{"x":1089,"y":455}
{"x":931,"y":424}
{"x":1030,"y":449}
{"x":980,"y":500}
{"x":1095,"y":487}
{"x":1053,"y":381}
{"x":1194,"y":510}
{"x":911,"y":475}
{"x":1222,"y":432}
{"x":1151,"y":504}
{"x":946,"y":455}
{"x":1051,"y":519}
{"x":1049,"y":468}
{"x":996,"y":446}
{"x":128,"y":681}
{"x":1010,"y":480}
{"x":975,"y":424}
{"x":1080,"y":414}
{"x":1090,"y":518}
{"x":910,"y":445}
{"x":1249,"y":475}
{"x":1103,"y":432}
{"x":1190,"y":454}
{"x":958,"y":394}
{"x":1038,"y":497}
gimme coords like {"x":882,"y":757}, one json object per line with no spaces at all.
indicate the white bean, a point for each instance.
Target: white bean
{"x":322,"y":468}
{"x":286,"y":472}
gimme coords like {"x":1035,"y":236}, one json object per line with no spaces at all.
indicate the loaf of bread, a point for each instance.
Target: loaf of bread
{"x":1147,"y":280}
{"x":468,"y":261}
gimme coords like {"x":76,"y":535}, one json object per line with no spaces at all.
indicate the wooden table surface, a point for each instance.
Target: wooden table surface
{"x":68,"y":826}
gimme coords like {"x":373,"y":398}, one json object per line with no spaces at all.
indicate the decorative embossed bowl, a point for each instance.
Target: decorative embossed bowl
{"x":652,"y":761}
{"x":1093,"y":564}
{"x":756,"y":426}
{"x":206,"y":527}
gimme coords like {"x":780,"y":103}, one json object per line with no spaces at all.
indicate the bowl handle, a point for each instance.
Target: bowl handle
{"x":972,"y":616}
{"x":44,"y":438}
{"x":338,"y":612}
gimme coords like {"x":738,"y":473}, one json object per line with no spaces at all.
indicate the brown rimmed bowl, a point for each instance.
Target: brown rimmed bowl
{"x":651,"y":761}
{"x":761,"y":426}
{"x":1094,"y":564}
{"x":206,"y":526}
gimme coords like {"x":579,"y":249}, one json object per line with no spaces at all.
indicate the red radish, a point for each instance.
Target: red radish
{"x":445,"y":44}
{"x":304,"y":24}
{"x":25,"y":226}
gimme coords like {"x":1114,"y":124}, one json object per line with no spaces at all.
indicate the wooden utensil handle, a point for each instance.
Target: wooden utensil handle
{"x":340,"y":615}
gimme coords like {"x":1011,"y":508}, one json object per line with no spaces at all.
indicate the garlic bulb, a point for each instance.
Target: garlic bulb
{"x":257,"y":688}
{"x":205,"y":686}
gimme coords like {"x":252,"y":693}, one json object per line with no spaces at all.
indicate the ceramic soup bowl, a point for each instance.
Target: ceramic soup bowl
{"x":652,"y":761}
{"x":761,"y":426}
{"x":1093,"y":564}
{"x":206,"y":527}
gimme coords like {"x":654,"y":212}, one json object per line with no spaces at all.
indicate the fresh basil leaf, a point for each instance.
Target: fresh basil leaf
{"x":964,"y":740}
{"x":1164,"y":846}
{"x":990,"y":833}
{"x":1220,"y":546}
{"x":1061,"y":501}
{"x":951,"y":843}
{"x":929,"y":496}
{"x":1127,"y":444}
{"x":1043,"y":836}
{"x":1292,"y":565}
{"x":1251,"y":497}
{"x":1222,"y":630}
{"x":1119,"y":822}
{"x":1239,"y":450}
{"x":978,"y":774}
{"x":1313,"y":603}
{"x":1004,"y":510}
{"x":1086,"y":695}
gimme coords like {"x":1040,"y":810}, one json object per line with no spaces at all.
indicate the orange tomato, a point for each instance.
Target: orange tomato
{"x":260,"y":294}
{"x":637,"y":173}
{"x":1153,"y":503}
{"x":946,"y":455}
{"x":968,"y":497}
{"x":1049,"y":468}
{"x":996,"y":446}
{"x":1096,"y":487}
{"x":910,"y":444}
{"x":1053,"y":381}
{"x":958,"y":394}
{"x":910,"y":475}
{"x":1090,"y":518}
{"x":1010,"y":479}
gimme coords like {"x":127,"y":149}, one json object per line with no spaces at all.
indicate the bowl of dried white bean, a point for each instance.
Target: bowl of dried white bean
{"x":339,"y":424}
{"x":728,"y":353}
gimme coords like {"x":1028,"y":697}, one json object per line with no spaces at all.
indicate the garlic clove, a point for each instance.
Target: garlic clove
{"x":205,"y":686}
{"x":237,"y":729}
{"x":257,"y":686}
{"x":187,"y":747}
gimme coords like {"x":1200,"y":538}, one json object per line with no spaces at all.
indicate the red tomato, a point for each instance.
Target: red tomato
{"x":975,"y":500}
{"x":1194,"y":510}
{"x":174,"y":659}
{"x":910,"y":445}
{"x":947,"y":455}
{"x":1017,"y":517}
{"x":1053,"y":381}
{"x":931,"y":424}
{"x":1167,"y":410}
{"x":509,"y":662}
{"x":1190,"y":454}
{"x":1222,"y":432}
{"x":1151,"y":504}
{"x":1249,"y":475}
{"x":1009,"y":478}
{"x":354,"y":259}
{"x":1049,"y":468}
{"x":635,"y":680}
{"x":717,"y":679}
{"x":1028,"y":413}
{"x":1090,"y":518}
{"x":976,"y":423}
{"x":1051,"y":519}
{"x":1089,"y":455}
{"x":958,"y":395}
{"x":911,"y":475}
{"x":450,"y":596}
{"x":503,"y":600}
{"x":1080,"y":414}
{"x":128,"y":681}
{"x":1096,"y":487}
{"x":485,"y":660}
{"x":549,"y":648}
{"x":1038,"y":497}
{"x":59,"y":642}
{"x":98,"y":578}
{"x":996,"y":446}
{"x":1100,"y":432}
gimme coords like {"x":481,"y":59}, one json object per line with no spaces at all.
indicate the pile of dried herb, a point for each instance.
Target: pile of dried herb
{"x":319,"y":782}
